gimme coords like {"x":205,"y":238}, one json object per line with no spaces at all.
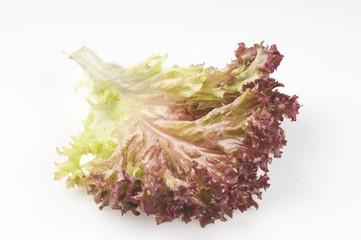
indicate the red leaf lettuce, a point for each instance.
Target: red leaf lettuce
{"x":179,"y":142}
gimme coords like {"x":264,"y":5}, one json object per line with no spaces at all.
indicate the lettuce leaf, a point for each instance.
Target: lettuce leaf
{"x":179,"y":142}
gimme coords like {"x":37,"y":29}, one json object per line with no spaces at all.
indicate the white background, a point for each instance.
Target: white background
{"x":315,"y":186}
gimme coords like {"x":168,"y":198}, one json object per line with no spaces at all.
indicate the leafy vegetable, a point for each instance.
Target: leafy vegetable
{"x":179,"y":142}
